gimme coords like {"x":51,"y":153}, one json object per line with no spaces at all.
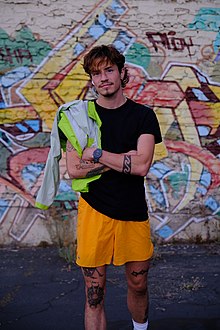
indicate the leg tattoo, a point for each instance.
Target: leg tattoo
{"x":89,"y":272}
{"x":142,"y":272}
{"x":95,"y":295}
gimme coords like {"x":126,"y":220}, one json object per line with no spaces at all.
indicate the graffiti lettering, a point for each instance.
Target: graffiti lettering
{"x":8,"y":56}
{"x":169,"y":41}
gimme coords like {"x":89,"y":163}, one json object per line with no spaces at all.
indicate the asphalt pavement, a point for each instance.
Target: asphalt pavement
{"x":39,"y":290}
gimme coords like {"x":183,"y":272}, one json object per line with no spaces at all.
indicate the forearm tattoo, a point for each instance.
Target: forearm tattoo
{"x":86,"y":164}
{"x":95,"y":171}
{"x":127,"y":164}
{"x":83,"y":165}
{"x":69,"y":146}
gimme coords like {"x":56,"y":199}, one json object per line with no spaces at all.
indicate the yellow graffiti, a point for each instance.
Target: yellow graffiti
{"x":17,"y":114}
{"x":70,"y":88}
{"x":213,"y":116}
{"x":184,"y":76}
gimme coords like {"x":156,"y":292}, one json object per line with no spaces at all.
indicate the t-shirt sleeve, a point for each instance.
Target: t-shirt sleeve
{"x":150,"y":124}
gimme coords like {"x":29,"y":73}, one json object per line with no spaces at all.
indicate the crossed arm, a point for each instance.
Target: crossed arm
{"x":134,"y":162}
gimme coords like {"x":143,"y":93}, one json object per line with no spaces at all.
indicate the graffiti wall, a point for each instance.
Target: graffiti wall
{"x":172,"y":51}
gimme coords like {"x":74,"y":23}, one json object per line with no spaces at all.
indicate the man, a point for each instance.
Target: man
{"x":113,"y":223}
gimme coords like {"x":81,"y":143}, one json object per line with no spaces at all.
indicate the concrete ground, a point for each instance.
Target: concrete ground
{"x":38,"y":291}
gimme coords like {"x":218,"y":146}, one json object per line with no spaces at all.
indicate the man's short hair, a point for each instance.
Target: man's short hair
{"x":105,"y":54}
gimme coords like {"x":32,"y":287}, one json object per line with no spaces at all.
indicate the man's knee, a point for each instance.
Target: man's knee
{"x":137,"y":274}
{"x":138,"y":288}
{"x":95,"y":295}
{"x":138,"y":285}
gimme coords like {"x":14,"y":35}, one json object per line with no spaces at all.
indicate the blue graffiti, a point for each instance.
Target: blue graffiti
{"x":164,"y":232}
{"x":117,"y":7}
{"x":159,"y":169}
{"x":30,"y":173}
{"x":212,"y":203}
{"x":199,"y":94}
{"x":208,"y":19}
{"x":206,"y":178}
{"x":157,"y":195}
{"x":3,"y":207}
{"x":14,"y":76}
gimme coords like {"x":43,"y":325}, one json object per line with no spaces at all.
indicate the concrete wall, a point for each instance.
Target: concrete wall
{"x":172,"y":50}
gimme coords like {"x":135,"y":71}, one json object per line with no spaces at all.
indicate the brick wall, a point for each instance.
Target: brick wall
{"x":172,"y":50}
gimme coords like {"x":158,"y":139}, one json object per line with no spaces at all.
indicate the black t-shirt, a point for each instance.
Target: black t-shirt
{"x":118,"y":195}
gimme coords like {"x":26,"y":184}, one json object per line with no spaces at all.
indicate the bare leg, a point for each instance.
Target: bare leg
{"x":137,"y":298}
{"x":95,"y":279}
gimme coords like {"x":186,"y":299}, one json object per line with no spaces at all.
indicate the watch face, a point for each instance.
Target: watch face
{"x":97,"y":154}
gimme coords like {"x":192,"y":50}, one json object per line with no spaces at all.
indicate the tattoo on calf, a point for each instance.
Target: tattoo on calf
{"x":127,"y":164}
{"x":142,"y":272}
{"x":90,"y":272}
{"x":95,"y":295}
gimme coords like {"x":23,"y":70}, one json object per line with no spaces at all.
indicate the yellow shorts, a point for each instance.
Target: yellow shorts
{"x":102,"y":240}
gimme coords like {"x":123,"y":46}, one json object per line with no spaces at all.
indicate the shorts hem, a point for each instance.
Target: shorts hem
{"x":123,"y":263}
{"x":148,"y":258}
{"x":94,"y":265}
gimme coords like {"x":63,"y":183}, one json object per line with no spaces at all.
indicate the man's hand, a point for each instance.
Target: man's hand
{"x":88,"y":154}
{"x":82,"y":168}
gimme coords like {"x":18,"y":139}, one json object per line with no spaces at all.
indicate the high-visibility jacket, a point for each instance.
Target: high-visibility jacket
{"x":80,"y":124}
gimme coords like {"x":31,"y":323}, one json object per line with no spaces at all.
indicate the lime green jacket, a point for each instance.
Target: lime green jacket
{"x":80,"y":124}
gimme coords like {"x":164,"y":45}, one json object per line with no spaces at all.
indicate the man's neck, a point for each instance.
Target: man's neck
{"x":111,"y":102}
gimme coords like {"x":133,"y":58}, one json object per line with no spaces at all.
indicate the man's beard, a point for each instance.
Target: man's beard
{"x":108,"y":93}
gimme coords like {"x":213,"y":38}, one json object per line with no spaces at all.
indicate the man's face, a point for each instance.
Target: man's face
{"x":106,"y":78}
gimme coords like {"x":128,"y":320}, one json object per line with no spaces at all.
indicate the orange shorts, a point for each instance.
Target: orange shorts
{"x":102,"y":240}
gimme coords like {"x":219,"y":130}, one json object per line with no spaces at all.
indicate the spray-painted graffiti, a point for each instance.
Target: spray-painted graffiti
{"x":20,"y":54}
{"x":183,"y":183}
{"x":169,"y":41}
{"x":25,"y":49}
{"x":208,"y":19}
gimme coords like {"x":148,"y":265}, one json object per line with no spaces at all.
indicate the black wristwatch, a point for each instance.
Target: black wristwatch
{"x":97,"y":154}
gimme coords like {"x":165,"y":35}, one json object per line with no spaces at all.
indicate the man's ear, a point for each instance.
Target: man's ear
{"x":122,"y":73}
